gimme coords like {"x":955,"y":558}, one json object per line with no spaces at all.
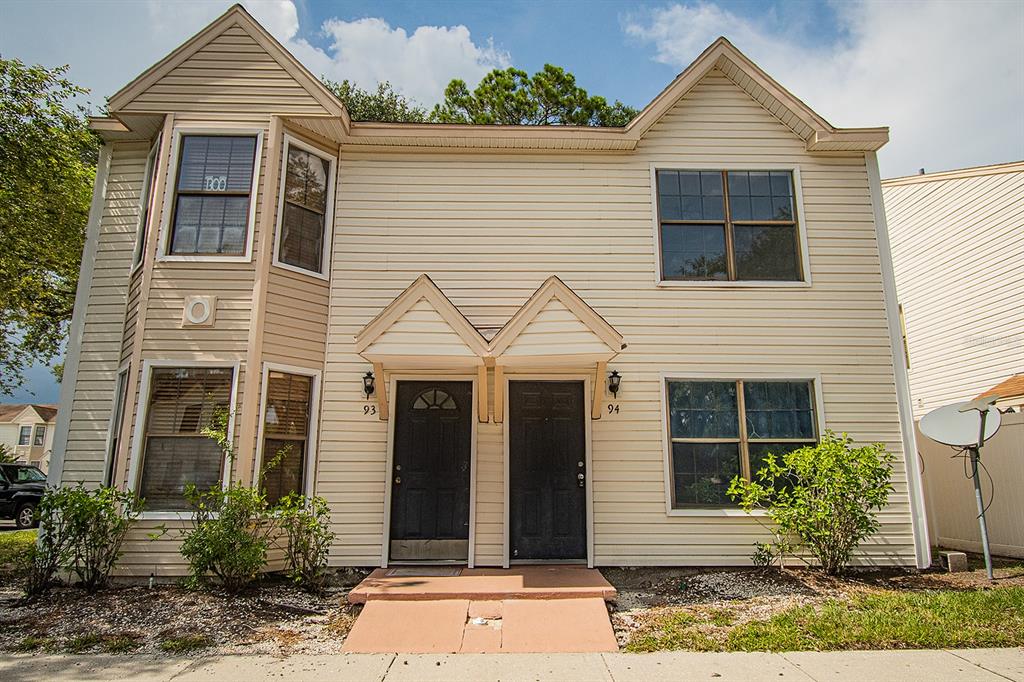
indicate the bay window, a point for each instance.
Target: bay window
{"x":304,"y":222}
{"x":181,"y":402}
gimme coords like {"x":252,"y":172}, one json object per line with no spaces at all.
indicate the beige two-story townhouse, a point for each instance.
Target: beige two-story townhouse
{"x":480,"y":344}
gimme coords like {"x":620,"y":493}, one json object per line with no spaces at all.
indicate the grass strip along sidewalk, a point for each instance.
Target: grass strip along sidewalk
{"x":879,"y":620}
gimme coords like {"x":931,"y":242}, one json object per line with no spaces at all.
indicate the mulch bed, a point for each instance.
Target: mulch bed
{"x":274,"y":618}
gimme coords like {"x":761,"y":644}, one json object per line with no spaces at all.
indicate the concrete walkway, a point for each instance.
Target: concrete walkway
{"x":970,"y":665}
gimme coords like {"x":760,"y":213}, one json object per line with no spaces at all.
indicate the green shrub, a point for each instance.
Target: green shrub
{"x":229,"y":537}
{"x":826,"y":495}
{"x":80,"y":531}
{"x":305,"y":522}
{"x":99,"y":521}
{"x":231,"y":526}
{"x":54,"y":548}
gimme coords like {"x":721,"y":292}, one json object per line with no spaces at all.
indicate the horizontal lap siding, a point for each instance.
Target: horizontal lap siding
{"x":958,"y":258}
{"x":101,"y":347}
{"x":489,"y":228}
{"x":231,"y":75}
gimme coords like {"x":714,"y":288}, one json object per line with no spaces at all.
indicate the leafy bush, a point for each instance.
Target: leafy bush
{"x":826,"y":495}
{"x":7,"y":455}
{"x":229,"y":537}
{"x":306,"y":524}
{"x":54,"y":548}
{"x":80,"y":531}
{"x":231,"y":526}
{"x":99,"y":520}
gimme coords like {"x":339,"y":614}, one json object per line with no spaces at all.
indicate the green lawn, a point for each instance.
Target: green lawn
{"x":15,"y":547}
{"x":880,"y":620}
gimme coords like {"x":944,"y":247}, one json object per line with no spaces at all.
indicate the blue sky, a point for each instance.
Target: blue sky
{"x":947,"y":76}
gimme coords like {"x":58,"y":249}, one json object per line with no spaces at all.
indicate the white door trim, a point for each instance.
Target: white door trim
{"x":586,"y":379}
{"x":393,"y":380}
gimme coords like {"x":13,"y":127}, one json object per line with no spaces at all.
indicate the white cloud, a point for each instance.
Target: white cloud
{"x":948,"y":78}
{"x":419,"y":65}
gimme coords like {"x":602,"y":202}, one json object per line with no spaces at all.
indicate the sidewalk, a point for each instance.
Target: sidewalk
{"x":969,"y":665}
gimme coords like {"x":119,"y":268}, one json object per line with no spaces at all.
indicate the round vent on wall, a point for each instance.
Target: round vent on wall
{"x":199,"y":311}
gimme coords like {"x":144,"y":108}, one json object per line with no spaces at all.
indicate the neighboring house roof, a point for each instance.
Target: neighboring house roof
{"x":11,"y":413}
{"x":129,"y":122}
{"x":1011,"y":388}
{"x":973,"y":172}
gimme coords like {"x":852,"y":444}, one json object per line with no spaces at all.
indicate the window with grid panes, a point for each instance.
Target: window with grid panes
{"x":720,"y":429}
{"x":728,"y":226}
{"x":212,"y":195}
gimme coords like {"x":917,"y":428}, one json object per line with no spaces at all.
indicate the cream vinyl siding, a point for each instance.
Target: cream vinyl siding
{"x":958,"y":255}
{"x":231,"y":74}
{"x":96,"y":379}
{"x":489,"y":228}
{"x":556,"y":330}
{"x":420,"y":331}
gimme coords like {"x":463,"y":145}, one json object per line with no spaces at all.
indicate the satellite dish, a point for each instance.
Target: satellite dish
{"x":959,"y":424}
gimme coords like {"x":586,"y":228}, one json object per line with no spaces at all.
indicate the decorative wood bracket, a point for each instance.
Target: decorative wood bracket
{"x":597,"y":404}
{"x":381,"y":391}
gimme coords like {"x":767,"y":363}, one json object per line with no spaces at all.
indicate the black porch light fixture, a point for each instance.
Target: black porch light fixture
{"x":614,"y":379}
{"x":368,"y":384}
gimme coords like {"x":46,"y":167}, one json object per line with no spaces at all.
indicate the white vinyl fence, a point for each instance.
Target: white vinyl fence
{"x":952,"y":511}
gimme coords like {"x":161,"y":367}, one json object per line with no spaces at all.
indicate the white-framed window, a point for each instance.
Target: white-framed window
{"x":177,"y":399}
{"x":25,"y":435}
{"x":116,"y":424}
{"x":286,"y":454}
{"x":719,"y":427}
{"x":146,"y":203}
{"x":210,"y":210}
{"x":39,"y":437}
{"x":729,"y":227}
{"x":305,"y":209}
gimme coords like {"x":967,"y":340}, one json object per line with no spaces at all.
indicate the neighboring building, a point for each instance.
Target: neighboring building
{"x":252,"y":248}
{"x":958,"y":251}
{"x":27,"y":431}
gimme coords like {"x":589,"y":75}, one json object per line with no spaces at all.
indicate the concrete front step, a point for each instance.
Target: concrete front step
{"x":568,"y":625}
{"x":483,"y":584}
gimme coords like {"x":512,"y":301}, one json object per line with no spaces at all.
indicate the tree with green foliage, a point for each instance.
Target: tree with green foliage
{"x":513,"y":97}
{"x":47,"y":167}
{"x":382,"y":104}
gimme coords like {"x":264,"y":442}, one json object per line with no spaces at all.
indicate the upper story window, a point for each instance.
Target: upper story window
{"x":304,"y":223}
{"x":212,"y":195}
{"x":722,"y":429}
{"x":24,"y":435}
{"x":728,"y":226}
{"x":146,"y":203}
{"x":40,"y":436}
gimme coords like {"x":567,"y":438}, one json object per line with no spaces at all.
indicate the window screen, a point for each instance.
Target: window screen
{"x":24,"y":435}
{"x":211,"y":212}
{"x":181,"y":402}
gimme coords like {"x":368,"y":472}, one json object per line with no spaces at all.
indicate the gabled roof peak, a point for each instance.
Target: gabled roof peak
{"x":236,"y":15}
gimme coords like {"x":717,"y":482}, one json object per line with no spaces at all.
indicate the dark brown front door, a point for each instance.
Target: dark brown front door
{"x":547,"y":471}
{"x":430,"y":472}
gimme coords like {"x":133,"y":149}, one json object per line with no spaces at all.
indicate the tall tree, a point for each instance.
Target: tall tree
{"x":513,"y":97}
{"x":382,"y":104}
{"x":47,"y":167}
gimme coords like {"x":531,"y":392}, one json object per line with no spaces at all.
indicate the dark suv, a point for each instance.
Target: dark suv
{"x":21,"y":487}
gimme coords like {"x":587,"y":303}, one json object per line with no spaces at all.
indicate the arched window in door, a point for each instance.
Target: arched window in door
{"x":434,"y":399}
